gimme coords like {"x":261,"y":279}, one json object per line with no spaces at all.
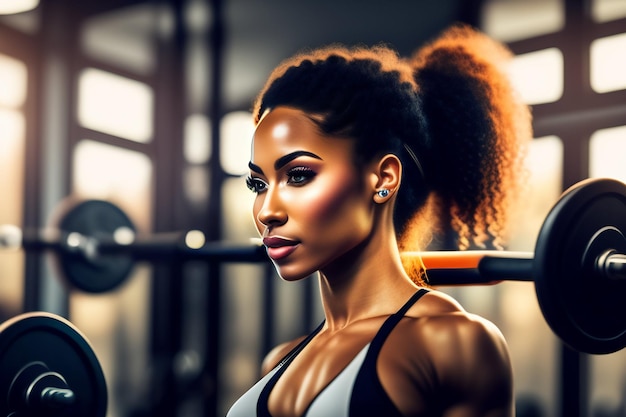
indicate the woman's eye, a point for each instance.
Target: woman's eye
{"x":256,"y":185}
{"x":300,"y":175}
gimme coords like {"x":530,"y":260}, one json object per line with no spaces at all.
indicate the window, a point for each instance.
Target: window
{"x":115,"y":105}
{"x":607,"y":153}
{"x":531,"y":18}
{"x":608,"y":63}
{"x":607,"y":10}
{"x":538,"y":76}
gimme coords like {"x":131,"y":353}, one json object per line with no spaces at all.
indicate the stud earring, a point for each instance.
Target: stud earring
{"x":383,"y":192}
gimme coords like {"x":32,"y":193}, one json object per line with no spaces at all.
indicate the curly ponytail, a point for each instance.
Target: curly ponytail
{"x":477,"y":128}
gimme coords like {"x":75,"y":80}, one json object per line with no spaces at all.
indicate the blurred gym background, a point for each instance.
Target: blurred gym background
{"x":145,"y":103}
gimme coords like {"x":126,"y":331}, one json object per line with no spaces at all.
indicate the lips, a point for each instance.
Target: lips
{"x":278,"y":247}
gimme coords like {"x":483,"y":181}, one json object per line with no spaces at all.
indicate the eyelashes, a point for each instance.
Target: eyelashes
{"x":300,"y":175}
{"x":296,"y":176}
{"x":256,"y":185}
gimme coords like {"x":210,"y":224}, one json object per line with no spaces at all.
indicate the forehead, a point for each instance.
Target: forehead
{"x":284,"y":130}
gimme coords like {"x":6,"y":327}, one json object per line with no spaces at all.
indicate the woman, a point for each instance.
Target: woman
{"x":357,"y":156}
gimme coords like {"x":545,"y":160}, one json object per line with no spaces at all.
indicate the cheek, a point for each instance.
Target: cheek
{"x":326,"y":205}
{"x":332,"y":201}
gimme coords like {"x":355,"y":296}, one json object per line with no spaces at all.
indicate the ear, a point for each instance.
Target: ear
{"x":387,"y":175}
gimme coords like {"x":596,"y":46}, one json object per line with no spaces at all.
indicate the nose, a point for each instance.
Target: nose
{"x":272,"y":211}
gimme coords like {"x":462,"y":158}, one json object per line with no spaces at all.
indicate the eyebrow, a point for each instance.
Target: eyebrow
{"x":255,"y":168}
{"x":284,"y":160}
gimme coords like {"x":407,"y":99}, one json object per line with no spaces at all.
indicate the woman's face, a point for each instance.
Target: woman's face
{"x":312,"y":204}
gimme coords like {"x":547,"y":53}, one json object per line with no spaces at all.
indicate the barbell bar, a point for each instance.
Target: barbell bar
{"x":578,"y":265}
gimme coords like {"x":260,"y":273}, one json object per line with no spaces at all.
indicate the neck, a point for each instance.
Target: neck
{"x":368,"y":281}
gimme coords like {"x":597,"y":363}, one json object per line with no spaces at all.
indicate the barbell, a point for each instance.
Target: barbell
{"x":578,"y":265}
{"x":49,"y":368}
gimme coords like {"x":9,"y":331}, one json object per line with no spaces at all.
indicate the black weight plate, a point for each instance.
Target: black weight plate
{"x":95,"y":218}
{"x":585,"y":309}
{"x":47,"y":338}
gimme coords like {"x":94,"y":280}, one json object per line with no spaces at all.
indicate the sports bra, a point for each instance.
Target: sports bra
{"x":355,"y":391}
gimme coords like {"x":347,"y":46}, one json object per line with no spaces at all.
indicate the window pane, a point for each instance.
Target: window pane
{"x":607,"y":148}
{"x":11,"y":208}
{"x":197,"y":143}
{"x":115,"y":105}
{"x":605,"y":10}
{"x":12,"y":82}
{"x":13,"y":6}
{"x":608,"y":63}
{"x":511,"y":20}
{"x":538,"y":76}
{"x":236,"y":133}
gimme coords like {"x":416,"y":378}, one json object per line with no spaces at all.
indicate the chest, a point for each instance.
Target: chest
{"x":336,"y":371}
{"x":314,"y":368}
{"x":358,"y":370}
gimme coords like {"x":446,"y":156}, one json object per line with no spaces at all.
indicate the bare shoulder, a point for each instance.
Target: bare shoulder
{"x":278,"y":353}
{"x":468,"y":353}
{"x":438,"y":306}
{"x":443,"y":325}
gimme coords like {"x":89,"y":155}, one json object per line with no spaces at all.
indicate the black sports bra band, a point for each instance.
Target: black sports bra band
{"x":391,"y":322}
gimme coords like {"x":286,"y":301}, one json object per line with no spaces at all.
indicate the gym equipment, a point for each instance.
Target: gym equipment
{"x":96,"y":245}
{"x":578,"y":267}
{"x":48,"y":369}
{"x":88,"y":223}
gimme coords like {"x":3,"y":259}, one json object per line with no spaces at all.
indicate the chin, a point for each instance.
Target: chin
{"x":291,"y":274}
